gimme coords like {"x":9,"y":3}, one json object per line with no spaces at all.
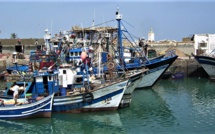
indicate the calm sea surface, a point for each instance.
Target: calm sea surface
{"x":171,"y":106}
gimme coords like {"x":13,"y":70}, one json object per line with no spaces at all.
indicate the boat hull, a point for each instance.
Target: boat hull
{"x":208,"y":64}
{"x":105,"y":98}
{"x":41,"y":108}
{"x":132,"y":84}
{"x":156,"y":69}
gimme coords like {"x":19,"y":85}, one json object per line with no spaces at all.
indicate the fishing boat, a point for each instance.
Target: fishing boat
{"x":70,"y":96}
{"x":26,"y":108}
{"x":208,"y":64}
{"x":92,"y":94}
{"x":101,"y":97}
{"x":156,"y":67}
{"x":28,"y":105}
{"x":75,"y":60}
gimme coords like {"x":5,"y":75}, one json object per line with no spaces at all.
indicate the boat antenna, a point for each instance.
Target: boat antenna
{"x":83,"y":34}
{"x":51,"y":27}
{"x":94,"y":19}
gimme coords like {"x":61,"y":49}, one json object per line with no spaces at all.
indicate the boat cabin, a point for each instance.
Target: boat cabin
{"x":41,"y":83}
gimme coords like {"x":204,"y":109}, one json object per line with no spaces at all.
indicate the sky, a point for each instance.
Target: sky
{"x":169,"y":19}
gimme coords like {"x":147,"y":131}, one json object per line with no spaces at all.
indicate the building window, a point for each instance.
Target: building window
{"x":202,"y":44}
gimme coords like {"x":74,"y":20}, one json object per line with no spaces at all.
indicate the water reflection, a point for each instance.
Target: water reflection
{"x":100,"y":122}
{"x":192,"y":102}
{"x":84,"y":123}
{"x":148,"y":110}
{"x":171,"y":106}
{"x":26,"y":126}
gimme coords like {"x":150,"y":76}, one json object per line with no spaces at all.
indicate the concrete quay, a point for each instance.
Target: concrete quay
{"x":190,"y":67}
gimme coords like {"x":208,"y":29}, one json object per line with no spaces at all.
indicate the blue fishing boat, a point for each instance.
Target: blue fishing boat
{"x":94,"y":95}
{"x":30,"y":103}
{"x":208,"y":63}
{"x":28,"y":108}
{"x":156,"y":67}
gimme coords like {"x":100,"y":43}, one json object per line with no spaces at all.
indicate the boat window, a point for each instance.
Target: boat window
{"x":76,"y":53}
{"x":50,"y":77}
{"x":79,"y":53}
{"x":64,"y":71}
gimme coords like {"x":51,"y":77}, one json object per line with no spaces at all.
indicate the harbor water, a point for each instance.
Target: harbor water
{"x":170,"y":106}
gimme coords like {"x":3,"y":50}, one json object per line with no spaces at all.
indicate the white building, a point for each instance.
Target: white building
{"x":204,"y":42}
{"x":151,"y":36}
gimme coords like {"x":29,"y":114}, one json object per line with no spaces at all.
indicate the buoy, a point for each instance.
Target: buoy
{"x":83,"y":55}
{"x":58,"y":52}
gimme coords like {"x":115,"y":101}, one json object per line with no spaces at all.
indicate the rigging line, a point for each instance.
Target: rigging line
{"x":131,"y":26}
{"x":129,"y":35}
{"x":134,"y":46}
{"x":212,"y":51}
{"x":134,"y":41}
{"x":128,"y":23}
{"x":115,"y":51}
{"x":102,"y":23}
{"x":132,"y":35}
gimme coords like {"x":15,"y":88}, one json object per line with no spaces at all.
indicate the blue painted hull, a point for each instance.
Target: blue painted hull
{"x":106,"y":98}
{"x":78,"y":104}
{"x":41,"y":108}
{"x":156,"y":68}
{"x":208,"y":64}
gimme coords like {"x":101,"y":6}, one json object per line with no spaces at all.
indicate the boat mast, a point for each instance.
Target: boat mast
{"x":47,"y":38}
{"x":119,"y":32}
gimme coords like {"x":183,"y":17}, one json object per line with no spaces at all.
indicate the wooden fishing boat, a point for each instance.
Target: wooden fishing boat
{"x":26,"y":108}
{"x":208,"y":63}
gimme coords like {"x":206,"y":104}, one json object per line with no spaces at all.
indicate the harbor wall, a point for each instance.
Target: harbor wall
{"x":190,"y":67}
{"x":8,"y":45}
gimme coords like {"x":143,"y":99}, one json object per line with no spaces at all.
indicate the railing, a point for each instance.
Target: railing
{"x":18,"y":77}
